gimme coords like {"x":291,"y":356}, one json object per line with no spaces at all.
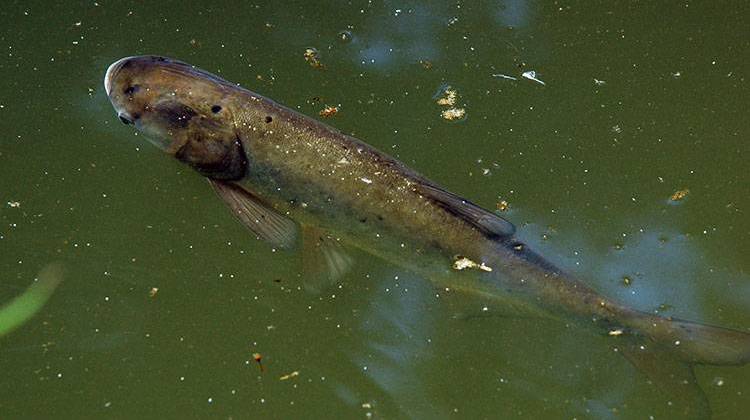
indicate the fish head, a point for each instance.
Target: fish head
{"x":182,"y":110}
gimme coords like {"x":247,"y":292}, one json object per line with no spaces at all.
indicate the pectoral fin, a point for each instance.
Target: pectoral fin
{"x":324,"y":259}
{"x":259,"y":217}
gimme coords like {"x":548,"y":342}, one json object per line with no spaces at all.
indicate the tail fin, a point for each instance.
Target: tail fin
{"x":692,"y":342}
{"x":671,"y":375}
{"x":665,"y":350}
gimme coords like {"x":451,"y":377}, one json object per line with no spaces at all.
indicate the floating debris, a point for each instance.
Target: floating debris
{"x":312,"y":56}
{"x":426,"y":64}
{"x":504,"y":76}
{"x":627,"y":281}
{"x":152,"y":293}
{"x":599,"y":82}
{"x":328,"y":111}
{"x":258,"y":358}
{"x":453,"y":114}
{"x":531,"y":75}
{"x":345,"y":36}
{"x":449,"y":98}
{"x":679,"y":195}
{"x":615,"y":332}
{"x":502,"y":205}
{"x":14,"y":204}
{"x":463,"y":263}
{"x":289,"y":375}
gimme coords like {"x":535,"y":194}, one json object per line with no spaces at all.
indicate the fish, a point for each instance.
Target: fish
{"x":298,"y":183}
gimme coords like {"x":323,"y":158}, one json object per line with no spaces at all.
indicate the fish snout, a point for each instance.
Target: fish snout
{"x":111,"y":75}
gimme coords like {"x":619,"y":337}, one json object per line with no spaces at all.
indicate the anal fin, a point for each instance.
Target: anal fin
{"x":324,"y":259}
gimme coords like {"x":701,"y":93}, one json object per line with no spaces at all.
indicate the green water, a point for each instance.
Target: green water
{"x":640,"y":100}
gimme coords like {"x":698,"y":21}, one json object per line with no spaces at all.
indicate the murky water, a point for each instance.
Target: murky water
{"x":165,"y":299}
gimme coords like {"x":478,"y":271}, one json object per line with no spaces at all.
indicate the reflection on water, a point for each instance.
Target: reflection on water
{"x":397,"y":328}
{"x":513,"y":13}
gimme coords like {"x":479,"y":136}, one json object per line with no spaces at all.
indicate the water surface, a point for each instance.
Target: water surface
{"x":639,"y":101}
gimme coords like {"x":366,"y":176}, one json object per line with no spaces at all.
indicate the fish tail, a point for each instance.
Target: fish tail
{"x":666,"y":349}
{"x":693,"y":342}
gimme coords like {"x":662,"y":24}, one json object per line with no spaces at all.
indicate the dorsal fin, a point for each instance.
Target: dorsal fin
{"x":490,"y":224}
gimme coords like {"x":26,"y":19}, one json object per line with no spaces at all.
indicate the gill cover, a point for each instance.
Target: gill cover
{"x":209,"y":145}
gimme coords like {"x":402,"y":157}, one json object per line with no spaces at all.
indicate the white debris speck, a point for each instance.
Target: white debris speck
{"x":599,"y":82}
{"x":289,"y":375}
{"x":366,"y":180}
{"x":14,"y":204}
{"x":504,"y":76}
{"x":616,"y":332}
{"x":531,"y":75}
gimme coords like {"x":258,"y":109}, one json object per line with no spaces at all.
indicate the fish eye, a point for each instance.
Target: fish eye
{"x":215,"y":109}
{"x":131,"y":89}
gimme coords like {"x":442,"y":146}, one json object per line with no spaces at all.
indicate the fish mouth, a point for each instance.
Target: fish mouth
{"x":112,"y":73}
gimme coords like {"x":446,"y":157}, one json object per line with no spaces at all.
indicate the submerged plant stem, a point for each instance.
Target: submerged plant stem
{"x":25,"y":306}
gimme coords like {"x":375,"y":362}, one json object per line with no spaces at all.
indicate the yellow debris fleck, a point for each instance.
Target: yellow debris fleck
{"x":679,"y":195}
{"x":453,"y":113}
{"x":328,"y":111}
{"x":449,"y":98}
{"x":502,"y":205}
{"x":312,"y":56}
{"x":463,"y":263}
{"x":616,"y":332}
{"x":153,"y":292}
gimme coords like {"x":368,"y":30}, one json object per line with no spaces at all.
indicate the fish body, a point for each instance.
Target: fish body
{"x":291,"y":179}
